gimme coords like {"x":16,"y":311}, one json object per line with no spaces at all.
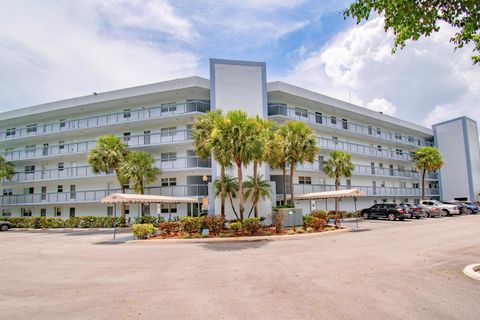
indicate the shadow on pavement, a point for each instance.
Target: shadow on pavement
{"x":235,"y":246}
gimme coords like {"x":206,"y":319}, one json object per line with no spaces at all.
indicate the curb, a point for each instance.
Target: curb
{"x":66,"y":229}
{"x":241,"y":239}
{"x":472,"y":271}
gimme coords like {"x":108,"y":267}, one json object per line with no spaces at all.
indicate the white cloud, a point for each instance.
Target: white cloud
{"x":382,"y":105}
{"x":65,"y":52}
{"x":424,"y":83}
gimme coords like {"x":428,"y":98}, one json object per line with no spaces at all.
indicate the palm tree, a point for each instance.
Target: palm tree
{"x":202,"y":134}
{"x":229,"y":187}
{"x":277,"y":159}
{"x":427,"y":159}
{"x":7,"y":169}
{"x":235,"y":134}
{"x":339,"y":165}
{"x":139,"y":169}
{"x":300,"y":146}
{"x":256,"y":189}
{"x":109,"y":155}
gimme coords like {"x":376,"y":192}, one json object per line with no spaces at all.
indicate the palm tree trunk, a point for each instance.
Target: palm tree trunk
{"x":255,"y":189}
{"x":233,"y":207}
{"x":222,"y":191}
{"x":284,"y":172}
{"x":292,"y":191}
{"x":142,"y":205}
{"x":122,"y":188}
{"x":337,"y":186}
{"x":240,"y":189}
{"x":423,"y":184}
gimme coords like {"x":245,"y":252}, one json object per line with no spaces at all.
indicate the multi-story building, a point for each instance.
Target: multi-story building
{"x":49,"y":143}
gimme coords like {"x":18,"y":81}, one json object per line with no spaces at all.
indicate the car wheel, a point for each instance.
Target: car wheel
{"x":445,"y":213}
{"x":4,"y":227}
{"x":391,"y":217}
{"x":366,"y":216}
{"x":427,"y":214}
{"x":417,"y":217}
{"x":469,"y":211}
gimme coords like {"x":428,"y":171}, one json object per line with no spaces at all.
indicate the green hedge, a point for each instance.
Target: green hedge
{"x":144,"y":231}
{"x":77,"y":222}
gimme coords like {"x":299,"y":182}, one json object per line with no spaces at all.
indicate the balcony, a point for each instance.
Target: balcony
{"x":94,"y":196}
{"x":332,"y":144}
{"x":364,"y":170}
{"x":106,"y":120}
{"x":181,"y":163}
{"x":143,"y":140}
{"x":355,"y":128}
{"x":369,"y":191}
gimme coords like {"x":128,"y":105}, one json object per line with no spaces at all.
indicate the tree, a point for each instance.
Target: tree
{"x":411,"y":20}
{"x":202,"y":136}
{"x":139,"y":169}
{"x":427,"y":159}
{"x":277,"y":159}
{"x":339,"y":165}
{"x":7,"y":169}
{"x":235,"y":134}
{"x":109,"y":155}
{"x":229,"y":187}
{"x":300,"y":146}
{"x":257,"y":189}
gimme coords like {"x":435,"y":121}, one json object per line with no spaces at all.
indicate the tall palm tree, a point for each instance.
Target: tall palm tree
{"x":109,"y":155}
{"x":339,"y":165}
{"x":427,"y":159}
{"x":236,"y":135}
{"x":202,"y":133}
{"x":277,"y":159}
{"x":300,"y":146}
{"x":7,"y":169}
{"x":139,"y":169}
{"x":257,"y":189}
{"x":229,"y":187}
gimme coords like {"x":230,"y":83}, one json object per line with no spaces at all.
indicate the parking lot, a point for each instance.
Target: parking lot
{"x":386,"y":270}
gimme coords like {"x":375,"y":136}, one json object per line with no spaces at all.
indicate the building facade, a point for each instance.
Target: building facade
{"x":49,"y":143}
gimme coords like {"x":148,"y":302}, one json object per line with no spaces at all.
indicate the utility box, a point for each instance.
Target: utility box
{"x":292,"y":216}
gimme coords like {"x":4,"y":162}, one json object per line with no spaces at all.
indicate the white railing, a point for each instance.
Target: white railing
{"x":369,"y":191}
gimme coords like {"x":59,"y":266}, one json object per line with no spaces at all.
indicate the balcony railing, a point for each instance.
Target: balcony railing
{"x":369,"y":191}
{"x":106,"y":119}
{"x":362,"y":149}
{"x":318,"y":119}
{"x":86,"y":171}
{"x":365,"y":170}
{"x":85,"y":146}
{"x":94,"y":196}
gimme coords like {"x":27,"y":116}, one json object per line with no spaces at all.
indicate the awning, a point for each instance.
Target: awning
{"x":145,"y":198}
{"x":349,"y":193}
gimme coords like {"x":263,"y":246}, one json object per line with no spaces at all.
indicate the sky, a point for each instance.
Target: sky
{"x":53,"y":50}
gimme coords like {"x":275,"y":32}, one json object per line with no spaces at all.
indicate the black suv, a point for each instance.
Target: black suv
{"x":391,"y":211}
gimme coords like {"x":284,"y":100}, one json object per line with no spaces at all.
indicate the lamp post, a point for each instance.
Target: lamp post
{"x":205,"y":181}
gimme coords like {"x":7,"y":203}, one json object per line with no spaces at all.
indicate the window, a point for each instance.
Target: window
{"x":126,"y":136}
{"x":45,"y":149}
{"x":318,"y":117}
{"x":169,"y":208}
{"x":335,"y":140}
{"x":405,"y":200}
{"x":126,"y":113}
{"x":26,"y":212}
{"x":8,"y":192}
{"x":398,"y":136}
{"x":146,"y":137}
{"x":127,"y":209}
{"x":62,"y":123}
{"x":384,"y":200}
{"x":305,"y":180}
{"x":349,"y":183}
{"x":168,"y":132}
{"x":10,"y":132}
{"x":416,"y":201}
{"x":380,"y":165}
{"x":6,"y":212}
{"x":43,"y":194}
{"x":57,"y":212}
{"x":61,"y":145}
{"x":72,"y":213}
{"x":168,"y":156}
{"x":43,"y":212}
{"x":333,"y":120}
{"x":379,"y":132}
{"x":403,"y":184}
{"x":345,"y":124}
{"x":110,"y":211}
{"x":374,"y":201}
{"x":29,"y":169}
{"x":60,"y":166}
{"x":372,"y":167}
{"x":32,"y":128}
{"x":28,"y":190}
{"x":301,"y":113}
{"x":169,"y":182}
{"x":73,"y":194}
{"x":321,"y":160}
{"x":416,"y":185}
{"x":60,"y":188}
{"x":169,"y":107}
{"x":411,"y":139}
{"x":399,"y":152}
{"x":370,"y":130}
{"x":382,"y":184}
{"x":173,"y":181}
{"x":379,"y":148}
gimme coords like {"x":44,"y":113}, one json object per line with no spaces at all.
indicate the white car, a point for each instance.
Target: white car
{"x":448,"y":209}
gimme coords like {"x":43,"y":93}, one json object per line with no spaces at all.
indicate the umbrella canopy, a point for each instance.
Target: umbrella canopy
{"x":349,"y":193}
{"x":145,"y":198}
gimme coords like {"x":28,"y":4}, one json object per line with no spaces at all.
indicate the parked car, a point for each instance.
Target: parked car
{"x":4,"y":225}
{"x":448,"y":209}
{"x":471,"y":207}
{"x":432,"y":212}
{"x":391,"y":211}
{"x":413,"y":210}
{"x":460,"y":205}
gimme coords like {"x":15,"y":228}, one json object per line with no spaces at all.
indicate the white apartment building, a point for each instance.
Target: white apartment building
{"x":49,"y":143}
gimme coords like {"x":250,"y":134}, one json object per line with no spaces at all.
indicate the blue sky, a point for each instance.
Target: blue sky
{"x":51,"y":50}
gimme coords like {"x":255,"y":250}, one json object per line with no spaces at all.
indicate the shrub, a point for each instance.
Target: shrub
{"x":214,"y":223}
{"x":307,"y":221}
{"x":322,"y":214}
{"x":235,"y":226}
{"x":75,"y":222}
{"x":191,"y":225}
{"x":143,"y":231}
{"x":279,"y":220}
{"x":318,"y":224}
{"x":148,"y":219}
{"x":252,"y":225}
{"x":169,"y":227}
